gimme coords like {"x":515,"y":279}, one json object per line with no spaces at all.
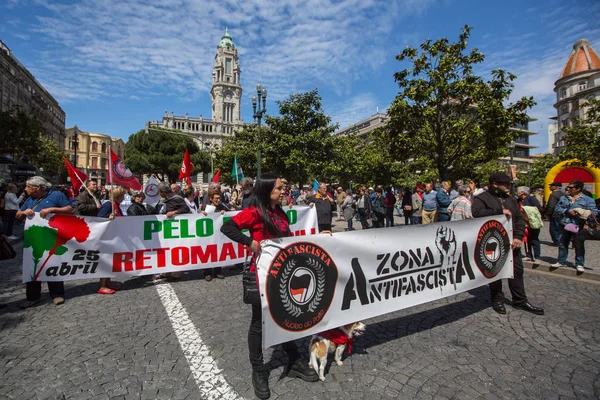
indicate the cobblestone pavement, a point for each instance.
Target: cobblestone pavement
{"x":124,"y":347}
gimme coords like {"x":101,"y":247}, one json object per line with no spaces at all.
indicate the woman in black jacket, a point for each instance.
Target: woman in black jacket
{"x":137,"y":207}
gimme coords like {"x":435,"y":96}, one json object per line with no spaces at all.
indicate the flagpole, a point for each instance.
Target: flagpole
{"x":83,"y":183}
{"x":110,"y":177}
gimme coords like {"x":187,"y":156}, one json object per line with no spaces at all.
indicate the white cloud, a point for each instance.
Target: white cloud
{"x":114,"y":48}
{"x":354,"y":109}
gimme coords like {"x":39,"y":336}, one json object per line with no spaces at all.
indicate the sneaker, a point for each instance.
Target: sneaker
{"x":13,"y":237}
{"x":58,"y":301}
{"x":527,"y":258}
{"x":558,"y":265}
{"x":29,"y":303}
{"x":580,"y":268}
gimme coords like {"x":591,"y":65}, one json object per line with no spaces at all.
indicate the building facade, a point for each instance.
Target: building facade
{"x":19,"y":88}
{"x":92,"y":152}
{"x":226,"y":97}
{"x":579,"y":81}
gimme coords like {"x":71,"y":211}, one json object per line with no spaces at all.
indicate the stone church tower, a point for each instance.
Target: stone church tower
{"x":226,"y":92}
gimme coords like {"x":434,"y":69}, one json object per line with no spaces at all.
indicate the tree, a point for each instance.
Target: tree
{"x":582,"y":140}
{"x":298,"y":144}
{"x":50,"y":159}
{"x":539,"y":169}
{"x":244,"y":145}
{"x":160,"y":153}
{"x":19,"y":134}
{"x":448,"y":115}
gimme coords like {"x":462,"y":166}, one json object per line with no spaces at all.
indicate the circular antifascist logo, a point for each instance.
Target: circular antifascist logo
{"x":300,"y":286}
{"x":151,"y":190}
{"x":491,"y":248}
{"x":120,"y":170}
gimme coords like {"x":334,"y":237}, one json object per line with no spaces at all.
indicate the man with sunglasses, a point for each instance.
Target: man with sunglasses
{"x":568,"y":207}
{"x":497,"y":201}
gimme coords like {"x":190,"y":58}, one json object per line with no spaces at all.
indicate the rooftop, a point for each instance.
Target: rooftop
{"x":582,"y":58}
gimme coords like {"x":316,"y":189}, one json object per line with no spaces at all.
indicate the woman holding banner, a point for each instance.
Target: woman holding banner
{"x":265,"y":219}
{"x":111,"y":210}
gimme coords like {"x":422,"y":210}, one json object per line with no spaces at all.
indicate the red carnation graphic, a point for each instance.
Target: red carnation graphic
{"x":67,"y":227}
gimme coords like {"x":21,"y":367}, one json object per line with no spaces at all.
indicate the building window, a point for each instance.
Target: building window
{"x":228,"y":65}
{"x":564,"y":123}
{"x":94,"y":162}
{"x":564,"y":109}
{"x":104,"y":147}
{"x":582,"y":85}
{"x":563,"y":93}
{"x":94,"y":146}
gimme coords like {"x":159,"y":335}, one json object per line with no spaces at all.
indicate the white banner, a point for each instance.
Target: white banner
{"x":68,"y":247}
{"x":321,"y":282}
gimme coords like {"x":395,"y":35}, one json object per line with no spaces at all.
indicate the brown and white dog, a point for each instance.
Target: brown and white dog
{"x":334,"y":340}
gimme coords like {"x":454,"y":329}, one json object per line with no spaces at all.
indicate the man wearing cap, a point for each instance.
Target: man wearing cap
{"x":553,"y":216}
{"x":497,"y":201}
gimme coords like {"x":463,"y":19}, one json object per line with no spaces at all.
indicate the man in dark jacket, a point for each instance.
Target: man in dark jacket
{"x":553,"y":217}
{"x":87,"y":204}
{"x":497,"y":201}
{"x":323,"y":202}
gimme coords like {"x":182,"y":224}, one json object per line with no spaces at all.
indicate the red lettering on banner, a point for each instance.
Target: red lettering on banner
{"x":180,"y":255}
{"x":204,"y":255}
{"x":313,"y":231}
{"x":139,"y":259}
{"x":227,"y":252}
{"x":242,"y":250}
{"x":122,"y":261}
{"x":161,"y":257}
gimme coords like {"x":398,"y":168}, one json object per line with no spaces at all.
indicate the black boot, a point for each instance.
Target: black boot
{"x":300,"y":369}
{"x":260,"y":381}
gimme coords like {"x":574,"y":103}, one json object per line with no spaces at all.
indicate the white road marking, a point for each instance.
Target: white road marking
{"x":210,"y":381}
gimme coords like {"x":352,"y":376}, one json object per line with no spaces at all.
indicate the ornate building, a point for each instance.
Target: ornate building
{"x":579,"y":80}
{"x":92,"y":152}
{"x":19,"y":88}
{"x":226,"y":96}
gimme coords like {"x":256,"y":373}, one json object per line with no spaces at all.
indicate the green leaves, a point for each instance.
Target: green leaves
{"x":160,"y":152}
{"x":583,"y":136}
{"x":446,"y":116}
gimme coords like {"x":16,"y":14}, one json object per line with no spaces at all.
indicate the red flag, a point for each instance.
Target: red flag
{"x":77,"y":177}
{"x":186,"y":167}
{"x":217,"y":176}
{"x":119,"y":174}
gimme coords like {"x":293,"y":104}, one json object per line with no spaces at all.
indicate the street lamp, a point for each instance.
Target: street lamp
{"x":75,"y":144}
{"x":511,"y":146}
{"x":210,"y":151}
{"x":258,"y":114}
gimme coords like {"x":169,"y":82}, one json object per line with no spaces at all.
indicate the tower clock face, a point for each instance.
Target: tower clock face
{"x":228,"y":95}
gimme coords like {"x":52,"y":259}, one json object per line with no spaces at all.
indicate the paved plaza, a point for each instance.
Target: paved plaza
{"x":125,"y":346}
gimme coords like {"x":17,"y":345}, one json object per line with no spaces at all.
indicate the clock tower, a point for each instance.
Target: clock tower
{"x":226,"y":92}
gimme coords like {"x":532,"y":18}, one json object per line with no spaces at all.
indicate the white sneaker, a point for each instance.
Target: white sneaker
{"x":557,"y":265}
{"x":13,"y":237}
{"x":580,"y":268}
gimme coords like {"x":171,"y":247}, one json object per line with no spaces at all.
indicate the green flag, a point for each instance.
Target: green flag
{"x":236,"y":171}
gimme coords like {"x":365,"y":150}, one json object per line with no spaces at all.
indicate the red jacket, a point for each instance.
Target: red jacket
{"x":338,"y":337}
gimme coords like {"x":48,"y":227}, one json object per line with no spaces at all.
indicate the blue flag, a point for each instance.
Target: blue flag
{"x":316,"y":185}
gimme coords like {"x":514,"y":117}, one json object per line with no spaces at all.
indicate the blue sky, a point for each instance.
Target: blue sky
{"x":114,"y":64}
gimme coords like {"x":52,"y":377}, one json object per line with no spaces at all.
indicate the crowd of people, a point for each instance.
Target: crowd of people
{"x":573,"y":219}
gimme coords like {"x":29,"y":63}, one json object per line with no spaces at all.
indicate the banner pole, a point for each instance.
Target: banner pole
{"x":112,"y":197}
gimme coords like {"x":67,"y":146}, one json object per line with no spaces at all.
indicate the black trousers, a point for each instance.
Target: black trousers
{"x":324,"y":227}
{"x":255,"y":342}
{"x":516,"y":285}
{"x":33,"y":290}
{"x":363,"y":218}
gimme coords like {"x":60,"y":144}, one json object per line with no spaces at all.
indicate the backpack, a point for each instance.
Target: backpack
{"x":533,"y":217}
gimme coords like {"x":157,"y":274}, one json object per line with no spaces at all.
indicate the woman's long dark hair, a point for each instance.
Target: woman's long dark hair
{"x":261,"y":200}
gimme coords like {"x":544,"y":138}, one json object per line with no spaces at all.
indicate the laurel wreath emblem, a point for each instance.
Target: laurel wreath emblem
{"x":288,"y":304}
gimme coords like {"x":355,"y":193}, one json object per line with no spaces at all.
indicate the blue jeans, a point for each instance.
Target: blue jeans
{"x":443,"y":216}
{"x":555,"y":230}
{"x":563,"y":248}
{"x":416,"y":220}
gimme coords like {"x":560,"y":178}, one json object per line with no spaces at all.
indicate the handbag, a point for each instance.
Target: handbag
{"x":572,"y":228}
{"x":6,"y":250}
{"x":250,"y":294}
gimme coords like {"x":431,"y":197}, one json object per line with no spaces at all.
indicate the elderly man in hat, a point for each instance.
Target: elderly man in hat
{"x":553,"y":216}
{"x":497,"y":201}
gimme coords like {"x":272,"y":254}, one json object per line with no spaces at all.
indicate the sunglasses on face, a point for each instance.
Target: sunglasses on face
{"x":570,"y":187}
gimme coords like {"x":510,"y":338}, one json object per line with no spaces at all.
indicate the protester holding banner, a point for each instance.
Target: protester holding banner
{"x":137,"y":204}
{"x":87,"y":204}
{"x":111,"y":210}
{"x":265,"y":219}
{"x":497,"y":201}
{"x":43,"y":200}
{"x":214,"y":195}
